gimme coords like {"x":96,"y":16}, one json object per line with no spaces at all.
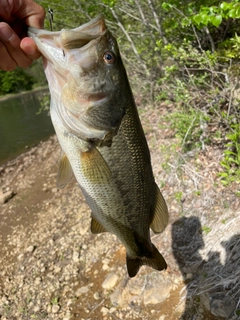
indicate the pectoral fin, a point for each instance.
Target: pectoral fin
{"x":94,"y":167}
{"x":65,"y":172}
{"x":96,"y":227}
{"x":161,"y":216}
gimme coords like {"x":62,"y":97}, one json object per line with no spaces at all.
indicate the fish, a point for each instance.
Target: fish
{"x":104,"y":146}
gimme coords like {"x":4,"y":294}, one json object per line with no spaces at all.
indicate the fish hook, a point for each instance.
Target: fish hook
{"x":50,"y":17}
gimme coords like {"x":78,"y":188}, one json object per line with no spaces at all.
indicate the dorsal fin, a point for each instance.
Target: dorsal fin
{"x":161,"y":216}
{"x":65,"y":172}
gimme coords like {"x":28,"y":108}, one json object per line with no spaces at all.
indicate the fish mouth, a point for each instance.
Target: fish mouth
{"x":69,"y":39}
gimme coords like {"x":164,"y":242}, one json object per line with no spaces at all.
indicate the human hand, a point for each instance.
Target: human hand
{"x":16,"y":49}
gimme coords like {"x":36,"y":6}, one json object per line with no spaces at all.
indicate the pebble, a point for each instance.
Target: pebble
{"x":104,"y":311}
{"x":30,"y":249}
{"x":4,"y":197}
{"x":110,"y":281}
{"x":105,"y":267}
{"x":20,"y":257}
{"x":55,"y":308}
{"x":36,"y":309}
{"x":57,"y":269}
{"x":75,"y":256}
{"x":81,"y":291}
{"x":96,"y":295}
{"x":38,"y":280}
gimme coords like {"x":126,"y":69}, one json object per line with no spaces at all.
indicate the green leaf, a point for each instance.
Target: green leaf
{"x":216,"y":20}
{"x":198,"y":19}
{"x":166,"y":6}
{"x":223,"y":174}
{"x":225,"y":183}
{"x":232,"y":13}
{"x":229,"y":152}
{"x":226,"y":6}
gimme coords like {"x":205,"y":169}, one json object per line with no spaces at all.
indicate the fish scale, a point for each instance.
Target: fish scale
{"x":99,"y":130}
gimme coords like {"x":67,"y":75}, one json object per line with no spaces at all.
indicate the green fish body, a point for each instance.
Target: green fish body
{"x":98,"y":127}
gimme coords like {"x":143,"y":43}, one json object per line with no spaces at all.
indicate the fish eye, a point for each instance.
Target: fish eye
{"x":109,"y":57}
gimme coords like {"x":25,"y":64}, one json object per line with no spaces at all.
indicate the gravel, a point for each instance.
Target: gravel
{"x":52,"y":267}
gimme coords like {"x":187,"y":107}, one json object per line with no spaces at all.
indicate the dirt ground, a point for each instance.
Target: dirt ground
{"x":52,"y":267}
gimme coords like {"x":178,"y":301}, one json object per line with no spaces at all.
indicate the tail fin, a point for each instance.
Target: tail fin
{"x":155,"y":260}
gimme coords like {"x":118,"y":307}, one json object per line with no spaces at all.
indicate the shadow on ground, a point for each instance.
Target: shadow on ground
{"x":211,"y":285}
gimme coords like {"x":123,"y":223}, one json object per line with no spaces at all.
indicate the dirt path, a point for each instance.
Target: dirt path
{"x":52,"y":267}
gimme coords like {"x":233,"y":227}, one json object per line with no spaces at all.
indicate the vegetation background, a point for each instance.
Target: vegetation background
{"x":185,"y":53}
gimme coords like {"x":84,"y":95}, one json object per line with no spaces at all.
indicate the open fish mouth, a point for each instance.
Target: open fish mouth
{"x":68,"y":39}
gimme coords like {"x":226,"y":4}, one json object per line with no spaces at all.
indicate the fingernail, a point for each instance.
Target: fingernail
{"x":6,"y":33}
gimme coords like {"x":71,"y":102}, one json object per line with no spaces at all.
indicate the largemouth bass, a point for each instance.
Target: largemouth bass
{"x":98,"y":127}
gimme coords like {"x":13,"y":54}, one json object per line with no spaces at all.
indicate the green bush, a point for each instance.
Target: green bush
{"x":15,"y":81}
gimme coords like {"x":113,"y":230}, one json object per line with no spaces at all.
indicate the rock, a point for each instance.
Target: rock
{"x":104,"y":311}
{"x":136,"y":286}
{"x":81,"y":290}
{"x":96,"y":296}
{"x":75,"y":256}
{"x":55,"y":308}
{"x":110,"y":282}
{"x":57,"y":269}
{"x":36,"y":309}
{"x":157,"y":291}
{"x":118,"y":296}
{"x":38,"y":280}
{"x":219,"y":304}
{"x":4,"y":197}
{"x":105,"y":267}
{"x":30,"y":249}
{"x":20,"y":257}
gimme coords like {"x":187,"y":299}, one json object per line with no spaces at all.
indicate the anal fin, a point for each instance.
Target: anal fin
{"x":96,"y":227}
{"x":161,"y":216}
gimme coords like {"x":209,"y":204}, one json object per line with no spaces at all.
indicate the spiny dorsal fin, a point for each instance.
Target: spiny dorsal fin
{"x":64,"y":172}
{"x":160,"y":218}
{"x":96,"y":227}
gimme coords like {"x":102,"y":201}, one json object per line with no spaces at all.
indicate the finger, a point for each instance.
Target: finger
{"x":32,"y":13}
{"x":12,"y":44}
{"x":30,"y":49}
{"x":6,"y":62}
